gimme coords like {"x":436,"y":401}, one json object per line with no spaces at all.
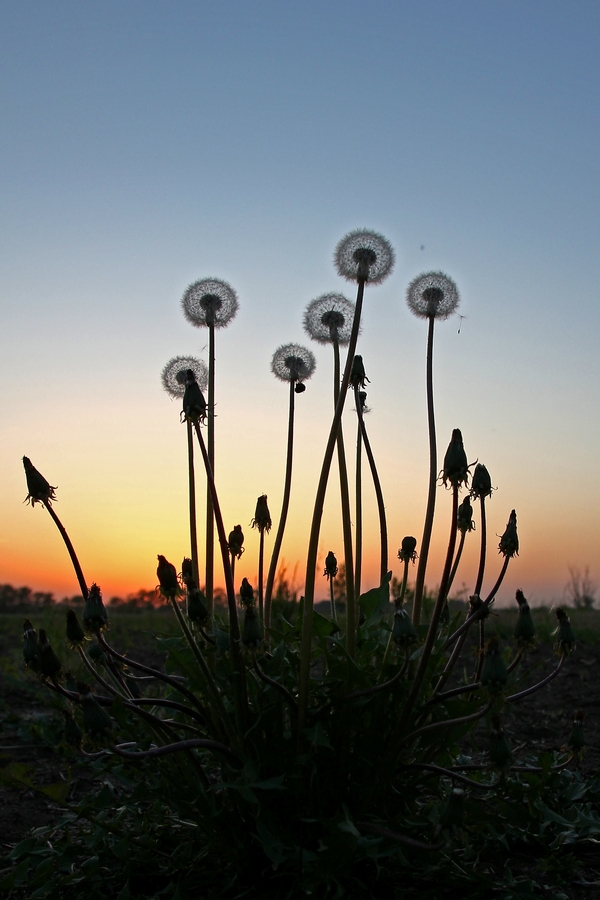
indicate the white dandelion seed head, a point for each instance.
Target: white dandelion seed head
{"x":432,"y":294}
{"x":209,"y":302}
{"x":173,"y":374}
{"x":329,"y":318}
{"x":364,"y":255}
{"x":292,"y":362}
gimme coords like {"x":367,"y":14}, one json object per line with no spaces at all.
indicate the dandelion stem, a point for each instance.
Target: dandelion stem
{"x":332,"y":599}
{"x":70,"y":548}
{"x":313,"y":544}
{"x":284,"y":508}
{"x":399,"y":604}
{"x":344,"y":491}
{"x":456,"y":562}
{"x":261,"y":563}
{"x":378,"y":492}
{"x":359,"y":536}
{"x":540,"y":684}
{"x":428,"y":526}
{"x":478,"y":585}
{"x":192,"y":498}
{"x":480,"y":611}
{"x":210,"y":437}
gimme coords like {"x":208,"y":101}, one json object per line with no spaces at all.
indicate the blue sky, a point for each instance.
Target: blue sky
{"x":148,"y":144}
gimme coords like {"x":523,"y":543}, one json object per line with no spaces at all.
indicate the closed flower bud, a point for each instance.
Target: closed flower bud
{"x":475,"y":604}
{"x":31,"y":655}
{"x":72,"y":733}
{"x":464,"y":517}
{"x":75,"y":633}
{"x":38,"y":489}
{"x":456,"y":468}
{"x":262,"y":516}
{"x":246,"y":593}
{"x":408,"y":550}
{"x":95,"y":617}
{"x":50,"y":664}
{"x":509,"y":542}
{"x":96,"y":653}
{"x":96,"y":721}
{"x":194,"y":404}
{"x":167,"y":578}
{"x":251,"y":633}
{"x":481,"y":485}
{"x":196,"y":607}
{"x":187,"y":572}
{"x":403,"y":631}
{"x":331,"y":566}
{"x":565,"y":639}
{"x":524,"y":627}
{"x":493,"y":673}
{"x":453,"y":812}
{"x":500,"y":752}
{"x":236,"y":541}
{"x":358,"y":377}
{"x":576,"y":741}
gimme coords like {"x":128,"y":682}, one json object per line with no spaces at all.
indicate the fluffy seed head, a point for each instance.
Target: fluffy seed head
{"x":292,"y":362}
{"x":210,"y":302}
{"x":174,"y":374}
{"x":329,"y":318}
{"x":364,"y":256}
{"x":432,"y":294}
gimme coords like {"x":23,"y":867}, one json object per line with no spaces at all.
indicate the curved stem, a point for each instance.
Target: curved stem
{"x":540,"y":684}
{"x":313,"y":543}
{"x":438,"y":770}
{"x":344,"y":490}
{"x":275,"y":684}
{"x":192,"y":501}
{"x":481,"y":610}
{"x":359,"y":536}
{"x":174,"y":748}
{"x":284,"y":509}
{"x":400,"y":838}
{"x":428,"y":526}
{"x":378,"y":492}
{"x":448,"y":723}
{"x":70,"y":548}
{"x":210,"y":436}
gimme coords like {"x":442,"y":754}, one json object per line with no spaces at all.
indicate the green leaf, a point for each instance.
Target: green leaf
{"x":375,"y":603}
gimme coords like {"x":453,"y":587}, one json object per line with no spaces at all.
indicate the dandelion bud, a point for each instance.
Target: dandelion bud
{"x":576,"y":741}
{"x":524,"y":627}
{"x":187,"y":571}
{"x":95,"y":617}
{"x":251,"y":633}
{"x":196,"y":607}
{"x":464,"y":516}
{"x":167,"y":578}
{"x":31,"y":655}
{"x":96,"y":653}
{"x":262,"y":516}
{"x":331,"y":566}
{"x":481,"y":485}
{"x":362,"y":399}
{"x":493,"y":673}
{"x":38,"y":489}
{"x":453,"y":812}
{"x":194,"y":404}
{"x":475,"y":604}
{"x":403,"y":631}
{"x":408,"y":550}
{"x":500,"y":752}
{"x":509,"y":542}
{"x":96,"y":721}
{"x":246,"y":593}
{"x":236,"y":540}
{"x":456,"y":468}
{"x":358,"y":377}
{"x":565,"y":639}
{"x":72,"y":733}
{"x":50,"y":664}
{"x":75,"y":633}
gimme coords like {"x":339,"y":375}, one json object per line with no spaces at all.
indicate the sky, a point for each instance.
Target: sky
{"x":150,"y":144}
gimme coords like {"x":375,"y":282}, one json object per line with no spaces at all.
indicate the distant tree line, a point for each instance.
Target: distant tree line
{"x":25,"y":600}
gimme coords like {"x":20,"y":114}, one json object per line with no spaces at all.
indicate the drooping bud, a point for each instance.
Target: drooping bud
{"x":38,"y":489}
{"x":96,"y":721}
{"x":95,"y":617}
{"x":167,"y":578}
{"x":75,"y":633}
{"x":331,"y":566}
{"x":262,"y":516}
{"x":50,"y":664}
{"x":358,"y":377}
{"x":246,"y":593}
{"x":576,"y":741}
{"x":403,"y":631}
{"x":408,"y":550}
{"x":31,"y":655}
{"x":509,"y":542}
{"x":500,"y":752}
{"x":464,"y":516}
{"x":453,"y":812}
{"x":196,"y":606}
{"x":251,"y":633}
{"x":493,"y":673}
{"x":194,"y":404}
{"x":72,"y":733}
{"x":565,"y":639}
{"x":236,"y":541}
{"x":456,"y":467}
{"x":524,"y":626}
{"x":481,"y":485}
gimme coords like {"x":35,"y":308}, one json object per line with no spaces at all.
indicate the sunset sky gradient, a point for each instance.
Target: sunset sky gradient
{"x":150,"y":144}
